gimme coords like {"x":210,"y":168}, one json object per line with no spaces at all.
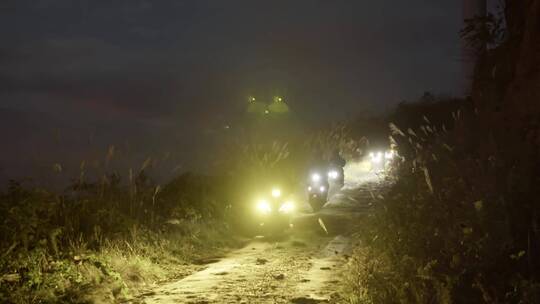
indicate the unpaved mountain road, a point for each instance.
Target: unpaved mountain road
{"x":305,"y":267}
{"x":299,"y":270}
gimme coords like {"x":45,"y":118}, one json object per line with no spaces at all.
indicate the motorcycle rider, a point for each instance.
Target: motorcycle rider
{"x":336,"y":176}
{"x":318,"y":181}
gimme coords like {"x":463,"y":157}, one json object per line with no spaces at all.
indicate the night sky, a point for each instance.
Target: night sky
{"x":78,"y":76}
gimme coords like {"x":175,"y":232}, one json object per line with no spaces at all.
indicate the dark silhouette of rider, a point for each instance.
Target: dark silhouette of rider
{"x":336,"y":160}
{"x":337,"y":163}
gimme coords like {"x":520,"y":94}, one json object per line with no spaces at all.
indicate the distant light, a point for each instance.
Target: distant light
{"x":333,"y":174}
{"x":266,"y":111}
{"x":264,"y":207}
{"x":315,"y":177}
{"x":376,"y":157}
{"x":322,"y":189}
{"x":276,"y":192}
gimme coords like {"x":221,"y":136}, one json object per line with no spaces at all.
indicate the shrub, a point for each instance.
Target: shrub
{"x":101,"y":240}
{"x":447,"y":231}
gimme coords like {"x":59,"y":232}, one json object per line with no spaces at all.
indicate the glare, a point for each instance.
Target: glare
{"x":276,"y":192}
{"x":264,"y":207}
{"x":389,"y":154}
{"x":287,"y":207}
{"x":376,"y":157}
{"x":316,"y":177}
{"x":322,"y":189}
{"x":309,"y":188}
{"x":333,"y":174}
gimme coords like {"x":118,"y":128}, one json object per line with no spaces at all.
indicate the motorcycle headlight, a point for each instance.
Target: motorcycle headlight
{"x":333,"y":174}
{"x":276,"y":192}
{"x":264,"y":207}
{"x":287,"y":207}
{"x":376,"y":157}
{"x":315,"y":177}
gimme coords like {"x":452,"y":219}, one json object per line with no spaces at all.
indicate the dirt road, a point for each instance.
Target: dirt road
{"x":305,"y":267}
{"x":291,"y":271}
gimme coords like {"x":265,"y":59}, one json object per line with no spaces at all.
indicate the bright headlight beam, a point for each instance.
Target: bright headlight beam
{"x":333,"y":174}
{"x":376,"y":157}
{"x":276,"y":192}
{"x":322,"y":189}
{"x":287,"y":207}
{"x":264,"y":207}
{"x":316,"y":177}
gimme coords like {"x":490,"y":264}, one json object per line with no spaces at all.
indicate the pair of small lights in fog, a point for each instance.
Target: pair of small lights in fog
{"x":333,"y":174}
{"x":378,"y":157}
{"x":321,"y":188}
{"x":315,"y":177}
{"x":264,"y":207}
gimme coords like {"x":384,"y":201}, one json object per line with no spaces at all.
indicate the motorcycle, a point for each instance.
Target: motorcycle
{"x":336,"y":176}
{"x":317,"y":190}
{"x":274,"y":211}
{"x":381,"y":160}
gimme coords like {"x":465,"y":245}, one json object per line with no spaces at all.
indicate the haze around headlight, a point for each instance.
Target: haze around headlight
{"x":287,"y":207}
{"x":264,"y":207}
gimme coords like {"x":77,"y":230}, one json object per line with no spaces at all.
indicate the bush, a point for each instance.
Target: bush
{"x":447,"y":231}
{"x":103,"y":240}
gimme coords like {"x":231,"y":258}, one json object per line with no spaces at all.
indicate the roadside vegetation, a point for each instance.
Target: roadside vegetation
{"x":108,"y":240}
{"x":451,"y":228}
{"x":459,"y":223}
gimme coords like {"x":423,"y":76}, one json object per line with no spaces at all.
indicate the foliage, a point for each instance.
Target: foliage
{"x":447,"y":231}
{"x":337,"y":137}
{"x":102,"y":240}
{"x":482,"y":32}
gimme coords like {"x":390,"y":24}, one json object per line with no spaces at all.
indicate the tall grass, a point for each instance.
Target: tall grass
{"x":105,"y":239}
{"x":453,"y":228}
